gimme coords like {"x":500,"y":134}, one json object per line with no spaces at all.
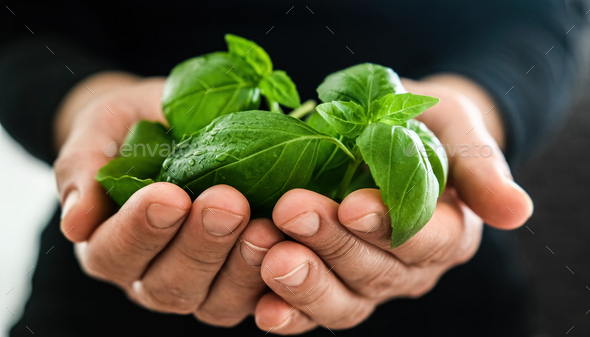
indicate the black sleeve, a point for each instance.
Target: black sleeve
{"x":33,"y":82}
{"x":525,"y":58}
{"x":37,"y":68}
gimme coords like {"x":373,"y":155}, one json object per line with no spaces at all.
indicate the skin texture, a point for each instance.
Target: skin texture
{"x":172,"y":255}
{"x":351,"y":267}
{"x":166,"y":253}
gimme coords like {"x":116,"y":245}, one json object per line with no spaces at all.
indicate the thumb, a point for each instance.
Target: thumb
{"x":477,"y":167}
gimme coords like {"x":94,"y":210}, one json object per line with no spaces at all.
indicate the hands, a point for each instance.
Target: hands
{"x":341,"y":266}
{"x":204,"y":258}
{"x":167,"y":254}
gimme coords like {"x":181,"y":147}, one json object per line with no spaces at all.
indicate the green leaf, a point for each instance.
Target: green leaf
{"x":331,"y":163}
{"x":203,"y":88}
{"x":397,"y":109}
{"x":145,"y":149}
{"x":348,"y":118}
{"x":408,"y":186}
{"x":251,"y":52}
{"x":437,"y":156}
{"x":363,"y":84}
{"x":279,"y":88}
{"x":260,"y":153}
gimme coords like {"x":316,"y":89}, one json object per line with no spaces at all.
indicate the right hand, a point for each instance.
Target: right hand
{"x":166,"y":253}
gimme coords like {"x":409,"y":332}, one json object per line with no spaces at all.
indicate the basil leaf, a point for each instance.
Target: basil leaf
{"x":408,"y":187}
{"x":362,"y":84}
{"x":202,"y":88}
{"x":149,"y":145}
{"x":437,"y":156}
{"x":348,"y":118}
{"x":331,"y":163}
{"x":397,"y":109}
{"x":251,"y":52}
{"x":260,"y":153}
{"x":329,"y":154}
{"x":279,"y":87}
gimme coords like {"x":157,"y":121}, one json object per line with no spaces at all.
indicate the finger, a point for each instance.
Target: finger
{"x":452,"y":234}
{"x":238,"y":285}
{"x":120,"y":249}
{"x":179,"y":279}
{"x":276,"y":316}
{"x":364,"y":214}
{"x":312,"y":220}
{"x":477,"y":167}
{"x":85,"y":204}
{"x":298,"y":275}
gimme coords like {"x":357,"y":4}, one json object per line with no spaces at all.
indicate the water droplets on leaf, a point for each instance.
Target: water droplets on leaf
{"x":221,"y":157}
{"x":191,"y":162}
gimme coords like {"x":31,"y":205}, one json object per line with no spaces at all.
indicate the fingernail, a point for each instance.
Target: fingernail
{"x":219,"y":222}
{"x":295,"y":277}
{"x":162,"y":216}
{"x":369,"y":223}
{"x":70,"y":201}
{"x":283,"y":324}
{"x":274,"y":327}
{"x":531,"y":206}
{"x":304,"y":225}
{"x":252,"y":254}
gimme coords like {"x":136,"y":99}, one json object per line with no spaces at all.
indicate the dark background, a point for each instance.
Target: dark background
{"x":558,"y":179}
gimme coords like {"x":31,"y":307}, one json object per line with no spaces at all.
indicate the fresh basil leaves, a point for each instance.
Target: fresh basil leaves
{"x":279,"y":88}
{"x":397,"y":109}
{"x":366,"y":117}
{"x":437,"y":156}
{"x":408,"y":186}
{"x":362,"y":84}
{"x":260,"y":153}
{"x":202,"y":88}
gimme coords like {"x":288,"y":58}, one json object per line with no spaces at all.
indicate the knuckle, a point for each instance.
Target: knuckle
{"x":441,"y":250}
{"x":245,"y":284}
{"x":92,"y":269}
{"x":99,"y":268}
{"x":170,"y":299}
{"x":464,"y":254}
{"x":337,"y":247}
{"x":318,"y":294}
{"x":422,"y":288}
{"x":384,"y":282}
{"x":67,"y":161}
{"x":141,"y":241}
{"x":204,"y":261}
{"x":355,"y":315}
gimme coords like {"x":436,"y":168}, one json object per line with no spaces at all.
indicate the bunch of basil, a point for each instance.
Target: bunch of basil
{"x":366,"y":117}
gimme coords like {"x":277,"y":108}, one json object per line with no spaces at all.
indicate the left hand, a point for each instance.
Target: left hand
{"x":342,"y":267}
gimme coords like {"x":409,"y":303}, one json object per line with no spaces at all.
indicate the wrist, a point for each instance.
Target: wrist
{"x":83,"y":93}
{"x":466,"y":89}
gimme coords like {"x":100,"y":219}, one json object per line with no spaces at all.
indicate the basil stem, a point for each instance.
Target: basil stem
{"x":305,"y":108}
{"x":350,"y":171}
